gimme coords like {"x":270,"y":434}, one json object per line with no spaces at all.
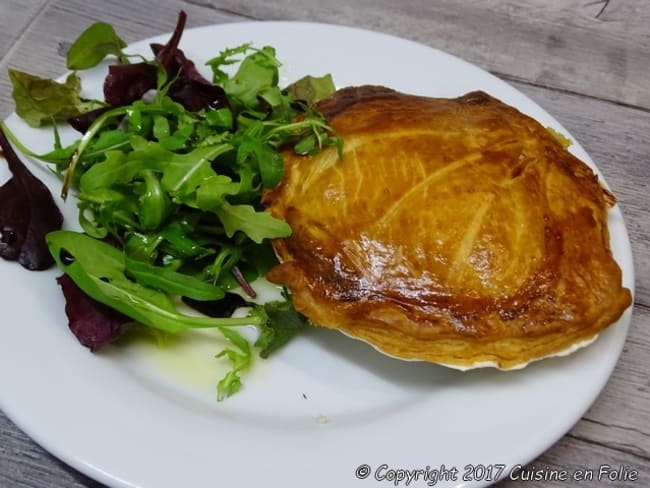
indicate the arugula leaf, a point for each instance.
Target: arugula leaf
{"x":93,"y":45}
{"x":155,"y":204}
{"x":240,"y":360}
{"x":212,"y":191}
{"x":258,"y":225}
{"x":281,"y":323}
{"x":252,"y":150}
{"x":117,"y":167}
{"x":178,"y":234}
{"x":142,"y":246}
{"x":40,"y":101}
{"x":183,"y":174}
{"x":170,"y":281}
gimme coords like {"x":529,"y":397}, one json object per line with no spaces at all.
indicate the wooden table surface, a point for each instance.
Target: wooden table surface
{"x":585,"y":61}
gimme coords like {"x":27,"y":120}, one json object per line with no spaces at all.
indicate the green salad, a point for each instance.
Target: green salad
{"x":169,"y":172}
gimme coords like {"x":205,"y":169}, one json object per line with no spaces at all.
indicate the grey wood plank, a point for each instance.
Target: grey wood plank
{"x":15,"y":16}
{"x":567,"y":45}
{"x":597,"y":48}
{"x":574,"y":457}
{"x":619,"y":418}
{"x":25,"y":464}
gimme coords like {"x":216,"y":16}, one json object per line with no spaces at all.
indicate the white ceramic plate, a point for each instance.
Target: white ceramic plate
{"x":142,"y":416}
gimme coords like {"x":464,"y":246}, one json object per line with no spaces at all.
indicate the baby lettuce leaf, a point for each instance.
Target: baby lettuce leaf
{"x":226,"y":57}
{"x":93,"y":45}
{"x":40,"y":101}
{"x":253,"y":91}
{"x":311,"y":89}
{"x":27,"y":213}
{"x":256,"y":73}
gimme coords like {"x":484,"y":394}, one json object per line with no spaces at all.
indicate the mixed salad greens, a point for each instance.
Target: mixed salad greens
{"x":168,"y":173}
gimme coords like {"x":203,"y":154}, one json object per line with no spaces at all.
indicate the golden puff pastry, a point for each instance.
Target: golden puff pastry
{"x":456,"y":231}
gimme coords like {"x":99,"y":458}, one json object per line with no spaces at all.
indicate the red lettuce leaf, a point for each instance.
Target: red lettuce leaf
{"x":166,"y":54}
{"x":195,"y":96}
{"x":127,"y":83}
{"x":177,"y":62}
{"x":12,"y":231}
{"x":93,"y":323}
{"x":27,"y":213}
{"x":217,"y":308}
{"x":82,"y":122}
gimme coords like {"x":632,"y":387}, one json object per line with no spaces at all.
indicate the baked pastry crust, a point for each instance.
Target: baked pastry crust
{"x":457,"y":231}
